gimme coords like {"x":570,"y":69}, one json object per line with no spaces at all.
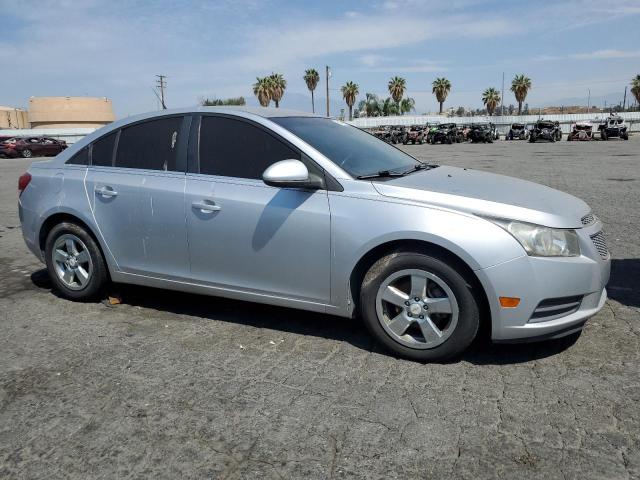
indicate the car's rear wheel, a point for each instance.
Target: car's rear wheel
{"x":26,"y":153}
{"x":419,"y":307}
{"x":75,"y":263}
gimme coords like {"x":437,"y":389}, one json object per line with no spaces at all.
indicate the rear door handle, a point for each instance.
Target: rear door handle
{"x":206,"y":206}
{"x":106,"y":191}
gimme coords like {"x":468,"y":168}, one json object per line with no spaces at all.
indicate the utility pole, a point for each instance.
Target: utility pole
{"x":327,"y":72}
{"x":502,"y":97}
{"x":589,"y":101}
{"x":162,"y":84}
{"x":624,"y":102}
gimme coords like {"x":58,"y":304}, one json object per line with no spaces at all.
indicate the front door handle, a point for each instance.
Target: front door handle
{"x":106,"y":191}
{"x":206,"y":206}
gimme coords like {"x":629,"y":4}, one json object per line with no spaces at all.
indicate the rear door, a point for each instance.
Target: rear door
{"x":245,"y":235}
{"x":136,"y":190}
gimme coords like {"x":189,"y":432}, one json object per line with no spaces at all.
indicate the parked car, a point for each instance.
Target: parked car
{"x":32,"y":147}
{"x":480,"y":133}
{"x":613,"y":126}
{"x":545,"y":130}
{"x":291,"y":209}
{"x":446,"y":133}
{"x":581,"y":131}
{"x":416,"y":134}
{"x":518,"y":131}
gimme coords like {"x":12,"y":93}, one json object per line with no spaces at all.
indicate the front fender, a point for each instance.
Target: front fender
{"x":360,"y":225}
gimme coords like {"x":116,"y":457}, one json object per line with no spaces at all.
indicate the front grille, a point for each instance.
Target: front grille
{"x":588,"y":219}
{"x":552,"y":308}
{"x":601,"y":244}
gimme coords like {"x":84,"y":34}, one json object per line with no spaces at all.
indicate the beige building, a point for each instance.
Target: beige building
{"x":11,"y":117}
{"x":70,"y":112}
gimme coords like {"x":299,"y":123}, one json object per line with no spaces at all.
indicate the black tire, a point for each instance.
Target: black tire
{"x":532,"y":138}
{"x":625,"y":136}
{"x":99,"y":276}
{"x":603,"y":135}
{"x":465,"y":330}
{"x":26,"y":153}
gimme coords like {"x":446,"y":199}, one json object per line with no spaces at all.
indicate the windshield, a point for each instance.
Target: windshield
{"x":357,"y":152}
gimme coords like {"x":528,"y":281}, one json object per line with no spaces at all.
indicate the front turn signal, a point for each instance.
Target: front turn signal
{"x":509,"y":302}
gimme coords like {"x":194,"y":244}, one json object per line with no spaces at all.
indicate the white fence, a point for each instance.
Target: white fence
{"x":69,"y":135}
{"x":502,"y":122}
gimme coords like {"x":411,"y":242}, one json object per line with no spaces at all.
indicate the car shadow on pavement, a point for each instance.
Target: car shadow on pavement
{"x":298,"y":322}
{"x":624,"y":285}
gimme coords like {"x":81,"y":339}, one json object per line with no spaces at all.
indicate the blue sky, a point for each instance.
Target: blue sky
{"x":217,"y":48}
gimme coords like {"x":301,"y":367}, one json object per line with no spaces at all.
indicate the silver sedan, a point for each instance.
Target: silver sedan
{"x":284,"y":208}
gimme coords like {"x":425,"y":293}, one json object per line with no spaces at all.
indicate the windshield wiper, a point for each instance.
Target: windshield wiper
{"x":420,"y":166}
{"x":380,"y":174}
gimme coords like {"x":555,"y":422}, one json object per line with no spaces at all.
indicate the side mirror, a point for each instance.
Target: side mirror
{"x":291,"y":174}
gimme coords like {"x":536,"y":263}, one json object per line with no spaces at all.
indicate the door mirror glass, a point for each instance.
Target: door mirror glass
{"x":291,"y":174}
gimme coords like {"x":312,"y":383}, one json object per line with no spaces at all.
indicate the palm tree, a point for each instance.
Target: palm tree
{"x":278,"y":84}
{"x":397,"y":87}
{"x":635,"y":88}
{"x":350,"y":92}
{"x":441,"y":88}
{"x":389,"y":107}
{"x":312,"y":78}
{"x":520,"y":86}
{"x":491,"y":99}
{"x":370,"y":105}
{"x":407,"y":105}
{"x":263,"y":90}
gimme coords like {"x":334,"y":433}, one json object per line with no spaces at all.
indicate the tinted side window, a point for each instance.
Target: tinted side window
{"x":80,"y":158}
{"x":150,"y":145}
{"x":102,"y":151}
{"x":235,"y":148}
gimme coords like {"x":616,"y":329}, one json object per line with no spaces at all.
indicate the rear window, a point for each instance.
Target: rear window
{"x":150,"y":145}
{"x":102,"y":151}
{"x":80,"y":158}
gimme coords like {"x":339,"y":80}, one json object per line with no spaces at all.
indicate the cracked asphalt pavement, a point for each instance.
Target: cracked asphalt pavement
{"x":171,"y":385}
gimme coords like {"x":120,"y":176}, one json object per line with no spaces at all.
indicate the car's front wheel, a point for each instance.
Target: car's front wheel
{"x":419,"y":307}
{"x":26,"y":153}
{"x":75,"y":263}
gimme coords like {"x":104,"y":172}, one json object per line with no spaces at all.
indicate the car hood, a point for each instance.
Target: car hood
{"x":488,"y":194}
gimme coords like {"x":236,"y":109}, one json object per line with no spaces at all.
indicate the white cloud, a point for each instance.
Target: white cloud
{"x":606,"y":54}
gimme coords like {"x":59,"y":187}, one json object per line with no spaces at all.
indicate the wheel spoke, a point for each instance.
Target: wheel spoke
{"x":438,"y":305}
{"x":82,"y":275}
{"x":60,"y":256}
{"x":68,"y":276}
{"x":71,"y":246}
{"x":418,"y":286}
{"x":399,"y":324}
{"x":82,"y":257}
{"x":429,"y":331}
{"x":395,"y":296}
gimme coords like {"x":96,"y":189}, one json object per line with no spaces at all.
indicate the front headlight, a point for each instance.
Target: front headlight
{"x":542,"y":241}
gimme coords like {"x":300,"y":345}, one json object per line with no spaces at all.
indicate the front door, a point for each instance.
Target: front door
{"x":247,"y":236}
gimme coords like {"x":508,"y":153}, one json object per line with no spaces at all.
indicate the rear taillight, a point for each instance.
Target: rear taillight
{"x":23,"y":182}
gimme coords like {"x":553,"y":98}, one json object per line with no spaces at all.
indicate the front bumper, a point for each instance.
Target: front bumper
{"x":536,"y":280}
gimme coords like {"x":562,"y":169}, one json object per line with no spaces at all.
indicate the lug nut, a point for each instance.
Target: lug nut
{"x":406,"y":303}
{"x":417,"y":299}
{"x":409,"y":314}
{"x":426,"y":307}
{"x":421,"y":317}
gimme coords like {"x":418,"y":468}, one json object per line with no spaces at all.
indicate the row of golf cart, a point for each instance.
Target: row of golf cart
{"x":440,"y":133}
{"x":613,"y":126}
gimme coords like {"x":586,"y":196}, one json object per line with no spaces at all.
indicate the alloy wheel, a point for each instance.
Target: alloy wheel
{"x":72,"y":262}
{"x":417,"y":308}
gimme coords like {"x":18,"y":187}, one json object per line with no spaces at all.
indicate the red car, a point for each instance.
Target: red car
{"x":31,"y":147}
